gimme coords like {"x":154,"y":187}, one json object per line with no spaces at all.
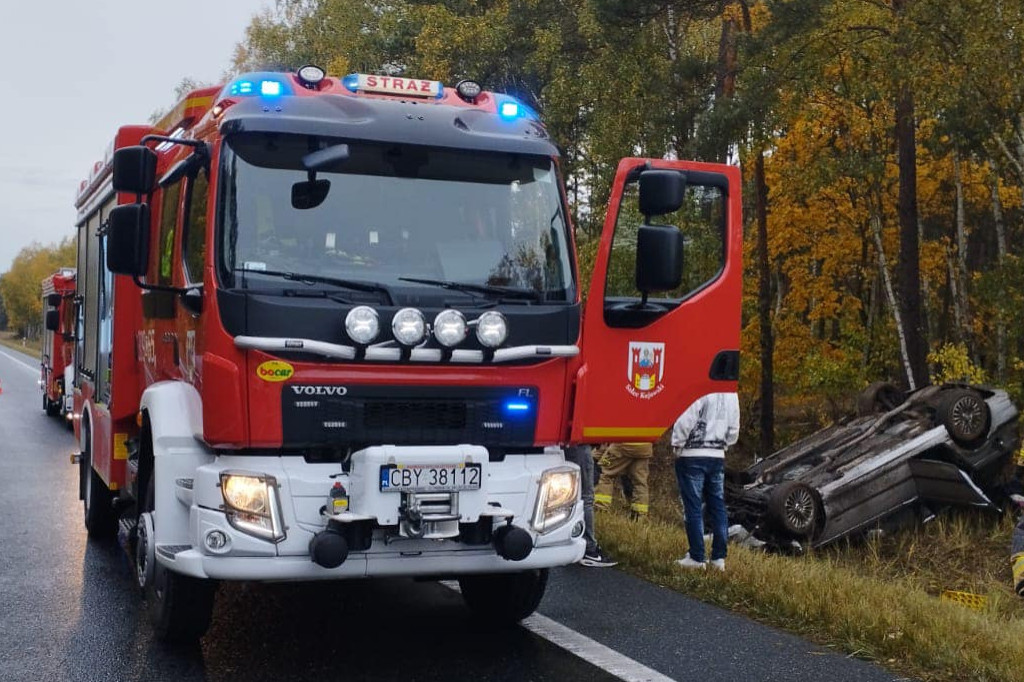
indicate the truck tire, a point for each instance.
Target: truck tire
{"x":504,"y":598}
{"x":794,"y":508}
{"x":98,"y":503}
{"x":180,"y":607}
{"x":965,"y":415}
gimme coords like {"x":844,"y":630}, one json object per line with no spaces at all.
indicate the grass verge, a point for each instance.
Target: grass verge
{"x":31,"y":347}
{"x":890,"y":620}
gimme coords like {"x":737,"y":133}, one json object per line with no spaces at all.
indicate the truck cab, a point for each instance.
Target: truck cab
{"x":348,"y":337}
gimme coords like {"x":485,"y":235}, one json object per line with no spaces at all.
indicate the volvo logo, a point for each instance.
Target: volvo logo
{"x":319,"y":390}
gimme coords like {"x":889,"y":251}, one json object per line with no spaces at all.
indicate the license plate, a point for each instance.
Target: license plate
{"x":429,"y":478}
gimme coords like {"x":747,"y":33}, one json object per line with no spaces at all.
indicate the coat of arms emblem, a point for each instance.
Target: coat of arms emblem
{"x":646,"y":368}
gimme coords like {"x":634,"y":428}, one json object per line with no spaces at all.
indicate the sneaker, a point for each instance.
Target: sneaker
{"x":718,"y":564}
{"x":597,"y":559}
{"x":688,"y":562}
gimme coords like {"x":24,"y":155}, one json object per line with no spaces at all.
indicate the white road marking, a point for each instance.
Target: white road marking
{"x":31,"y":368}
{"x":591,"y":651}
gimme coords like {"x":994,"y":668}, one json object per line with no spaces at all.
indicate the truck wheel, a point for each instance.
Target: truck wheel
{"x":100,"y":521}
{"x":965,"y":415}
{"x":794,"y":508}
{"x":180,"y":607}
{"x":504,"y":598}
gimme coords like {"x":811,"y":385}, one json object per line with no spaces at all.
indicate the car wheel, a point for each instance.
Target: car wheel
{"x":965,"y":415}
{"x":878,"y":397}
{"x":504,"y":598}
{"x":794,"y":508}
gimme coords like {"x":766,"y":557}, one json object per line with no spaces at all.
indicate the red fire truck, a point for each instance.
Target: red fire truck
{"x":332,"y":328}
{"x":57,"y":352}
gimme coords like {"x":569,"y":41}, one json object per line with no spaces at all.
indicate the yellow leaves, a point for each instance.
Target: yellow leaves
{"x":952,"y":362}
{"x":20,"y":287}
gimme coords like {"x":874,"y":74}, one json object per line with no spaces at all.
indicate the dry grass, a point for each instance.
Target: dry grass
{"x":873,"y":607}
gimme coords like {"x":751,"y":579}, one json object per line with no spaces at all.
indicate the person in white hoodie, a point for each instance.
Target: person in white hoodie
{"x":699,"y":439}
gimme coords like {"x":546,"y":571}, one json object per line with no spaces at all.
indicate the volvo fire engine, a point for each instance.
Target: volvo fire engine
{"x":332,"y":328}
{"x":57,"y":353}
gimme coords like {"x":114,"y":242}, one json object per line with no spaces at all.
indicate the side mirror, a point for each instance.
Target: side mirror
{"x":53,"y":300}
{"x":128,"y":240}
{"x":52,"y":320}
{"x":192,"y":300}
{"x":661,"y":192}
{"x":659,"y":258}
{"x":309,"y":193}
{"x":134,"y":169}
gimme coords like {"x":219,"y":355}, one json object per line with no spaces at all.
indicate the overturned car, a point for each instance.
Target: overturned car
{"x":903,"y":453}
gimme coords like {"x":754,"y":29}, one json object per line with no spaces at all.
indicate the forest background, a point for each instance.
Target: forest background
{"x":881,"y":144}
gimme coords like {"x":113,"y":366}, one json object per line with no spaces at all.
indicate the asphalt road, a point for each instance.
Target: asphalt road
{"x":69,"y":611}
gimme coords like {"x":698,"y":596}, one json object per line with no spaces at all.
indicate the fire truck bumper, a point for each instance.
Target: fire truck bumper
{"x":320,"y":521}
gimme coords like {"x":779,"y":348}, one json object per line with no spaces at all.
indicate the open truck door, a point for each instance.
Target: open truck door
{"x":661,"y":325}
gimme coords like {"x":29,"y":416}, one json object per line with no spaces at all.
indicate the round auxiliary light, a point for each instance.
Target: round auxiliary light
{"x":362,"y":324}
{"x":310,"y":75}
{"x":491,"y":329}
{"x":409,"y":327}
{"x":468,"y":90}
{"x":450,"y":327}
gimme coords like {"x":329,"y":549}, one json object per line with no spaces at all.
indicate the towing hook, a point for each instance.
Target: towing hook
{"x":512,"y":542}
{"x":328,"y":548}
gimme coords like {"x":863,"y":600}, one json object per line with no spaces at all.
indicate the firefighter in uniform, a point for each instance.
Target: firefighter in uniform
{"x":632,"y":460}
{"x":1017,"y":543}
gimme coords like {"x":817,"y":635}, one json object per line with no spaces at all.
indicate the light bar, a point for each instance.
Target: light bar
{"x":265,"y":84}
{"x":393,"y":85}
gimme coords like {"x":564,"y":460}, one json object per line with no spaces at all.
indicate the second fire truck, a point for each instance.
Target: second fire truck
{"x":332,"y":328}
{"x":57,"y":354}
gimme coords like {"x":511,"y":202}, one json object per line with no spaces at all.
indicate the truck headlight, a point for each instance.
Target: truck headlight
{"x":408,"y":326}
{"x":450,"y":328}
{"x":362,"y":324}
{"x":251,"y":504}
{"x":559,"y":491}
{"x":491,"y":329}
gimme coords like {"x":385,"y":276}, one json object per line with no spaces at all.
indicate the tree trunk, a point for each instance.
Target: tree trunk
{"x":997,"y":217}
{"x":961,"y":301}
{"x":883,"y":269}
{"x":909,"y":277}
{"x":764,"y":310}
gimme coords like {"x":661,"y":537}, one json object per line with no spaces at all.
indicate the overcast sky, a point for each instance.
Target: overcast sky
{"x":71,"y":72}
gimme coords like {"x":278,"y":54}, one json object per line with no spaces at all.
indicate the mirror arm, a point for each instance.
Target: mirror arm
{"x":157,"y":287}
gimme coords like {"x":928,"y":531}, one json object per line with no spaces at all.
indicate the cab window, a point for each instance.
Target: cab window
{"x":165,"y":243}
{"x":702,"y":222}
{"x":193,"y":238}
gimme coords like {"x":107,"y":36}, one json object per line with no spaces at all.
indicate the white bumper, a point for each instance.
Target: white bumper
{"x":303,"y":489}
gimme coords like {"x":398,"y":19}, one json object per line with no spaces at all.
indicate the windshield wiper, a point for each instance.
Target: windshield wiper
{"x":486,"y":289}
{"x":354,"y":285}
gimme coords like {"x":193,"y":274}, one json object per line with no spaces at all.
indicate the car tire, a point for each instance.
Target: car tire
{"x":504,"y":598}
{"x":878,"y":397}
{"x":795,"y":509}
{"x":966,"y":416}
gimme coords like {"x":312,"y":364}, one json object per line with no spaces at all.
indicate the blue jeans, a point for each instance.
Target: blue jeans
{"x":700,"y":478}
{"x":582,"y":456}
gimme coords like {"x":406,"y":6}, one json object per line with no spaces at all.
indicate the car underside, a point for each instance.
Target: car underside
{"x":903,"y":455}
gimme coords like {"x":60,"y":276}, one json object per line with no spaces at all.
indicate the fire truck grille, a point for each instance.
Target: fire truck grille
{"x":317,"y":416}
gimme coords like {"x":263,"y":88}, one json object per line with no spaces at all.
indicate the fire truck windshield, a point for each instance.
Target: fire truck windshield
{"x":391,"y":214}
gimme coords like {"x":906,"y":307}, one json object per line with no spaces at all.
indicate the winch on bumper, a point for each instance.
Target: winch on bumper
{"x":411,"y":510}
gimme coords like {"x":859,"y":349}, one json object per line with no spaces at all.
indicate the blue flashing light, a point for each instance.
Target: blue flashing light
{"x":351,"y":82}
{"x":517,"y":406}
{"x":509,"y":110}
{"x":265,"y":84}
